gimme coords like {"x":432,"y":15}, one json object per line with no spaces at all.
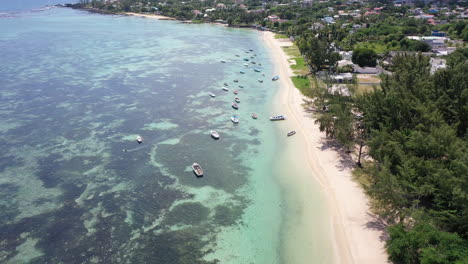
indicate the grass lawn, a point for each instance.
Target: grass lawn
{"x":368,"y":78}
{"x":300,"y":68}
{"x":280,"y":36}
{"x":292,"y":51}
{"x":303,"y":84}
{"x":378,"y":48}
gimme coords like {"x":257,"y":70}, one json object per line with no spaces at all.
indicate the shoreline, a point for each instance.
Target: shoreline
{"x":355,"y":235}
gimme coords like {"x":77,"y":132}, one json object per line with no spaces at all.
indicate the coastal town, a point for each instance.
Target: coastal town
{"x":386,"y":81}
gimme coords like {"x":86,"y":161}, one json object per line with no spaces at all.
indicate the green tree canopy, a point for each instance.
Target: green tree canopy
{"x":364,"y":57}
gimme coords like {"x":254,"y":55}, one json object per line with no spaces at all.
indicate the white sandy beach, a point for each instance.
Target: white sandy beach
{"x":355,"y":233}
{"x":153,"y":16}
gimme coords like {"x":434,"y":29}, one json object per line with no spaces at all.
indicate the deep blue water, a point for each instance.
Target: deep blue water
{"x":24,"y":5}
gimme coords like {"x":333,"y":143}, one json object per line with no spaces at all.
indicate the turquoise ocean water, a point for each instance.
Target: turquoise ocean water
{"x":75,"y":186}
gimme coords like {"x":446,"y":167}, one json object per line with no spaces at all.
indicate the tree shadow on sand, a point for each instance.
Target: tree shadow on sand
{"x":345,"y":159}
{"x":379,"y":224}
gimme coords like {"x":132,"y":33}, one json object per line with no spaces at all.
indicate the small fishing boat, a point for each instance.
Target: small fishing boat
{"x":139,"y":139}
{"x":225,"y":89}
{"x":235,"y":92}
{"x":253,"y":62}
{"x":291,"y":133}
{"x":237,"y":55}
{"x":235,"y":106}
{"x":234,"y":119}
{"x":214,"y":134}
{"x":246,"y":59}
{"x":246,"y":64}
{"x":226,"y":84}
{"x":280,"y":117}
{"x":257,"y":70}
{"x":223,"y":61}
{"x":250,"y":49}
{"x":237,"y":99}
{"x":242,"y":72}
{"x":254,"y":116}
{"x":241,"y":86}
{"x":197,"y":169}
{"x":236,"y":81}
{"x":275,"y":78}
{"x":260,"y":81}
{"x":212,"y":95}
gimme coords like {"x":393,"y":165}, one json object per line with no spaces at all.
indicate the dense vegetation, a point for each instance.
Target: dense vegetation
{"x":364,"y":57}
{"x":415,"y":128}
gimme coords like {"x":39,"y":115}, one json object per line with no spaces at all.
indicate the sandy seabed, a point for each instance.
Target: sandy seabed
{"x":356,"y":236}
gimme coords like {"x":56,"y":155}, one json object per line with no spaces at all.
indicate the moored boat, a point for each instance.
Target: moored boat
{"x":236,"y":81}
{"x":237,"y":100}
{"x":242,"y":72}
{"x":223,"y":61}
{"x":246,"y":64}
{"x":197,"y":169}
{"x":213,"y":95}
{"x":275,"y":78}
{"x":234,"y":119}
{"x":250,"y":49}
{"x":235,"y":106}
{"x":246,"y":59}
{"x":254,"y":116}
{"x":139,"y":139}
{"x":237,"y":55}
{"x":225,"y":89}
{"x":241,"y":86}
{"x":214,"y":134}
{"x":279,"y":117}
{"x":291,"y":133}
{"x":235,"y":92}
{"x":260,"y":81}
{"x":257,"y":70}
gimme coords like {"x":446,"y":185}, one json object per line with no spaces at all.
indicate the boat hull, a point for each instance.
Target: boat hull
{"x":214,"y":134}
{"x":197,"y":169}
{"x":277,"y":118}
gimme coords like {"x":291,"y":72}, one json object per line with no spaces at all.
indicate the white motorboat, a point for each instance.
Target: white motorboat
{"x":225,"y":89}
{"x":291,"y":133}
{"x":235,"y":106}
{"x":139,"y":139}
{"x":234,"y":119}
{"x":214,"y":134}
{"x":197,"y":169}
{"x":280,"y":117}
{"x":213,"y":95}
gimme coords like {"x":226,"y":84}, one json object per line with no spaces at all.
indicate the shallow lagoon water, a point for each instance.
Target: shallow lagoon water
{"x":76,"y":187}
